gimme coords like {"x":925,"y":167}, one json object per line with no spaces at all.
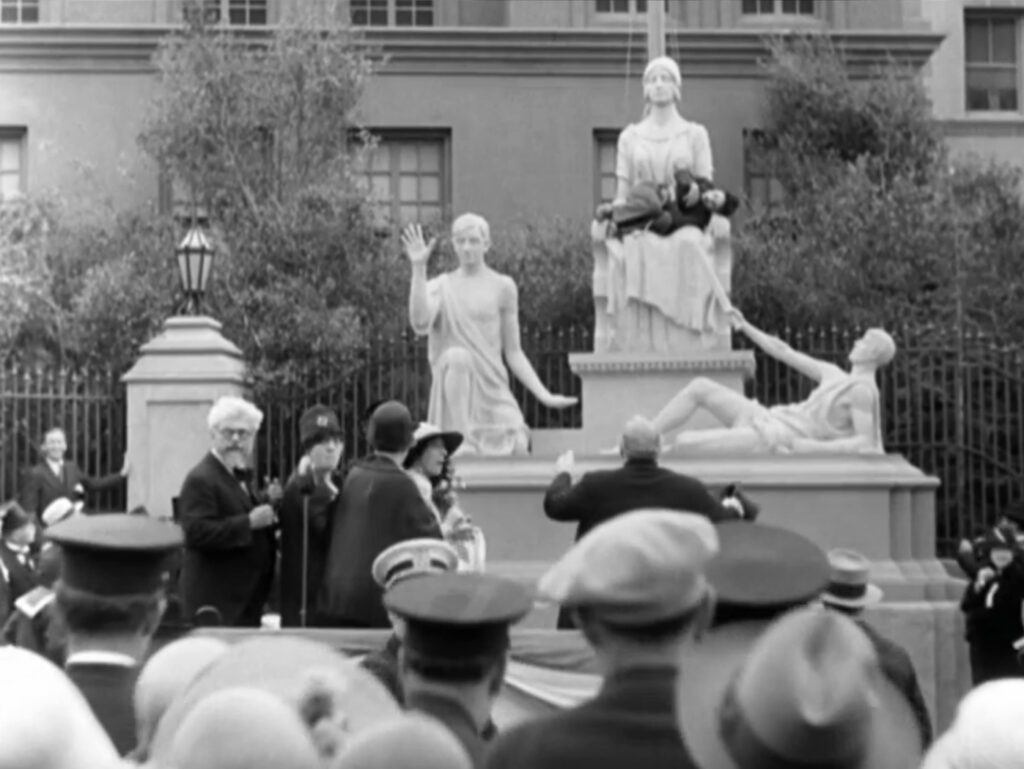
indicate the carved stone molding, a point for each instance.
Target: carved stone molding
{"x":472,"y":51}
{"x":598,"y":363}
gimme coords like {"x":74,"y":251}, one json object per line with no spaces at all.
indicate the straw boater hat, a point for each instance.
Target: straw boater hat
{"x":810,"y":692}
{"x":848,"y":584}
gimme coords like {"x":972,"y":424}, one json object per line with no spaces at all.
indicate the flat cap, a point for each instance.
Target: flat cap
{"x":766,"y":566}
{"x":636,"y":569}
{"x":115,"y":554}
{"x":413,"y":558}
{"x":458,"y":617}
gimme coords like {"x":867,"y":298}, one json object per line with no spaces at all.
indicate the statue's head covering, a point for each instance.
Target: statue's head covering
{"x":666,"y":63}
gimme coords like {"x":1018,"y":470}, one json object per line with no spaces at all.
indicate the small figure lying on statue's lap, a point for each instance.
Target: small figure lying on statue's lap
{"x":690,"y":203}
{"x":841,"y":415}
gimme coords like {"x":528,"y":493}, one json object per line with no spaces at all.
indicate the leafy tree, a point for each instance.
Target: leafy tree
{"x":264,"y":135}
{"x":878,"y":224}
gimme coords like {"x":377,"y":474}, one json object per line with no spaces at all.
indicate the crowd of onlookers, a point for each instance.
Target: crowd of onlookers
{"x":719,"y":640}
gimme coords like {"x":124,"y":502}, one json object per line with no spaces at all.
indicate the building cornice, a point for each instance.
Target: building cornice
{"x":474,"y":51}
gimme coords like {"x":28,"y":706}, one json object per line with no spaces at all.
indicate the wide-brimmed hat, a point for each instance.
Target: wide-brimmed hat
{"x":848,"y":583}
{"x":426,"y":432}
{"x":807,"y":690}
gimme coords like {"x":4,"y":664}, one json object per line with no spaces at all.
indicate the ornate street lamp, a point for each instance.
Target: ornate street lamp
{"x":195,"y":261}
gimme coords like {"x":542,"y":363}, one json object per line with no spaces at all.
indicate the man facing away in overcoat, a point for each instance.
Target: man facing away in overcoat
{"x":228,"y":563}
{"x":379,"y":506}
{"x":639,"y":483}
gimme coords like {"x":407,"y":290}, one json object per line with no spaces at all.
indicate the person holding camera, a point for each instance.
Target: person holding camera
{"x":992,"y":604}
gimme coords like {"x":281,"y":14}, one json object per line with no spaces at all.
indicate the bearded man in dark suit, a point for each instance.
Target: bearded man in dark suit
{"x":379,"y":506}
{"x":228,"y":564}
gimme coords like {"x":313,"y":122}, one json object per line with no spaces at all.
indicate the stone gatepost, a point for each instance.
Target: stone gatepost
{"x":178,"y":376}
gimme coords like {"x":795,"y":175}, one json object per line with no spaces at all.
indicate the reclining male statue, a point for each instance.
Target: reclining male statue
{"x":841,"y":415}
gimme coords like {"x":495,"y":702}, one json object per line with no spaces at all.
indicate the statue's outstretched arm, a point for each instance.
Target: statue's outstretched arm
{"x":805,"y":364}
{"x":515,"y":358}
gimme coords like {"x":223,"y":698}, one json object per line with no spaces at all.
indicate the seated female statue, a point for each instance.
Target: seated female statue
{"x":661,"y":294}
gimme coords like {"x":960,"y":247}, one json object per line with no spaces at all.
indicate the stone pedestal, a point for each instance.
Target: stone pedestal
{"x":882,"y":506}
{"x":178,"y":376}
{"x":617,"y":386}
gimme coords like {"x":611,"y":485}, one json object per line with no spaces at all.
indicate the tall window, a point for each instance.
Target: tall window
{"x":605,"y":181}
{"x":778,"y":7}
{"x":12,"y":163}
{"x":991,"y":61}
{"x":19,"y":11}
{"x":242,"y":13}
{"x":392,"y":13}
{"x":761,"y":188}
{"x":622,"y":7}
{"x":408,"y":175}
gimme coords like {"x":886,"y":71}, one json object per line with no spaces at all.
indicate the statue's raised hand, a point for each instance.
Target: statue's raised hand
{"x":554,"y":401}
{"x":414,"y":246}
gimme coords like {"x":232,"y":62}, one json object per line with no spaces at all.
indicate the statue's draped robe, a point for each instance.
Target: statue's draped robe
{"x":496,"y":423}
{"x":658,"y":294}
{"x":826,"y":415}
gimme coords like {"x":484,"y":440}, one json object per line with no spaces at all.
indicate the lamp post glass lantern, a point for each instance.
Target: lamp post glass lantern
{"x":195,"y":261}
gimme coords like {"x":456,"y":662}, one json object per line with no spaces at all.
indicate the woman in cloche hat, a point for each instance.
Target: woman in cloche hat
{"x":429,"y":464}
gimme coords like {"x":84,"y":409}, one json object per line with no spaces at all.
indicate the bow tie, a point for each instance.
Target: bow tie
{"x":242,"y":474}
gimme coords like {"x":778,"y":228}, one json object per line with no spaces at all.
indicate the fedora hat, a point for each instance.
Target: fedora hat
{"x":848,"y":584}
{"x":808,"y":691}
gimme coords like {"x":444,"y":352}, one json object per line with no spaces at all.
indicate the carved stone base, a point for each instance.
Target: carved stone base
{"x":882,"y":506}
{"x":617,"y":386}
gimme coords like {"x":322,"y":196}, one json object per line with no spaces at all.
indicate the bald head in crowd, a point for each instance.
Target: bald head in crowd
{"x":640,"y":440}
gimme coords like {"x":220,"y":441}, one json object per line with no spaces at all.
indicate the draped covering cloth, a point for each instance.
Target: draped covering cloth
{"x":457,"y":338}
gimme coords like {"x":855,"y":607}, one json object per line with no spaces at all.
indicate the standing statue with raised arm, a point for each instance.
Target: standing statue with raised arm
{"x":841,"y":415}
{"x":470,"y":317}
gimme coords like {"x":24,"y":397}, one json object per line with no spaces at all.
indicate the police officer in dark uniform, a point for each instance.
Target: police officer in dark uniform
{"x":637,"y":590}
{"x":454,"y":648}
{"x":404,"y":560}
{"x":110,"y":597}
